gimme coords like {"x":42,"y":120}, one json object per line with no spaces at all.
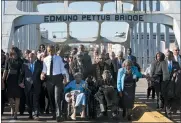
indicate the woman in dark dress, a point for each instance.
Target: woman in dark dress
{"x":156,"y":74}
{"x":3,"y":87}
{"x":11,"y":75}
{"x":126,"y":84}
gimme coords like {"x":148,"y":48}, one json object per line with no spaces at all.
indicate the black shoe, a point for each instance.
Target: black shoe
{"x":15,"y":117}
{"x":41,"y":112}
{"x":21,"y":113}
{"x":161,"y":107}
{"x":54,"y":117}
{"x":58,"y":119}
{"x":124,"y":113}
{"x":129,"y":117}
{"x":102,"y":114}
{"x":30,"y":117}
{"x":157,"y":106}
{"x":147,"y":97}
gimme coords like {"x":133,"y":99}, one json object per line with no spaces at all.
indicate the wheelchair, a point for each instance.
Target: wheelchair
{"x":91,"y":103}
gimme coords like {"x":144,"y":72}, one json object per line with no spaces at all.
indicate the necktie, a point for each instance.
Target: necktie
{"x":32,"y":67}
{"x":51,"y":66}
{"x":169,"y":67}
{"x":119,"y":64}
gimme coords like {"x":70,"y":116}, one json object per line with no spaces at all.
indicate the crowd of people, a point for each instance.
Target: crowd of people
{"x":42,"y":80}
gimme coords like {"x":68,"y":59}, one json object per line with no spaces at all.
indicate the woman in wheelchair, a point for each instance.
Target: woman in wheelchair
{"x":107,"y":95}
{"x":75,"y":94}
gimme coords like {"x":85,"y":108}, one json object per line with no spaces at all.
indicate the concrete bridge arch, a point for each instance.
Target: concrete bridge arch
{"x":14,"y":19}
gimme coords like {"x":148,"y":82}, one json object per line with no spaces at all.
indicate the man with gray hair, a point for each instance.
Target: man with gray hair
{"x":177,"y":56}
{"x":30,"y":73}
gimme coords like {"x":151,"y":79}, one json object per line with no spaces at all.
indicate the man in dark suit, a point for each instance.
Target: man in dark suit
{"x":87,"y":62}
{"x":130,"y":56}
{"x":3,"y":87}
{"x":23,"y":97}
{"x":99,"y":67}
{"x":133,"y":59}
{"x":120,"y":60}
{"x":171,"y":67}
{"x":109,"y":61}
{"x":31,"y":72}
{"x":177,"y":56}
{"x":78,"y":66}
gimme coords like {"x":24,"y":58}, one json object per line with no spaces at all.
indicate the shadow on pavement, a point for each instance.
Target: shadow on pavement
{"x":152,"y":104}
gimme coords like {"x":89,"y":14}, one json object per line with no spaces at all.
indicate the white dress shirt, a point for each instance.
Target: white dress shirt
{"x":58,"y":65}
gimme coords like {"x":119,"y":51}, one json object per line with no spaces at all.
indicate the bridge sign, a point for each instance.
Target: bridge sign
{"x":93,"y":17}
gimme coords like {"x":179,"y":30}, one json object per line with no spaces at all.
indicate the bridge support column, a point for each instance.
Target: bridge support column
{"x":135,"y":41}
{"x":119,"y":6}
{"x":68,"y":30}
{"x":140,"y":46}
{"x":7,"y":34}
{"x":151,"y":40}
{"x":158,"y":29}
{"x":151,"y":44}
{"x":145,"y":55}
{"x":99,"y":31}
{"x":176,"y":29}
{"x":167,"y":40}
{"x":131,"y":36}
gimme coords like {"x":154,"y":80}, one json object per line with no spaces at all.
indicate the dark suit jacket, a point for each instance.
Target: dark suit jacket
{"x":111,"y":65}
{"x":97,"y":72}
{"x":87,"y":62}
{"x":117,"y":64}
{"x":175,"y":59}
{"x":168,"y":84}
{"x":166,"y":74}
{"x":32,"y":78}
{"x":133,"y":58}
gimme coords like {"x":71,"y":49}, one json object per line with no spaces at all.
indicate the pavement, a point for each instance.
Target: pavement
{"x":144,"y":111}
{"x":141,"y":91}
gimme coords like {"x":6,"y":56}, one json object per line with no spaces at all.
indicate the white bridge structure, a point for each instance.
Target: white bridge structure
{"x":21,"y":25}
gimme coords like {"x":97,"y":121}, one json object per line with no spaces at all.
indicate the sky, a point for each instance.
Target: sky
{"x":84,"y":29}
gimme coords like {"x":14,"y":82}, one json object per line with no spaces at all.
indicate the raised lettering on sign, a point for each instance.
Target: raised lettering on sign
{"x":79,"y":18}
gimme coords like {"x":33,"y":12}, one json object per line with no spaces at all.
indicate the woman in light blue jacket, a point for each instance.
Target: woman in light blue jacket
{"x":126,"y":83}
{"x":75,"y":94}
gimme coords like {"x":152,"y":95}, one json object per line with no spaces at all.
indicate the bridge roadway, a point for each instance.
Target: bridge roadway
{"x":141,"y":100}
